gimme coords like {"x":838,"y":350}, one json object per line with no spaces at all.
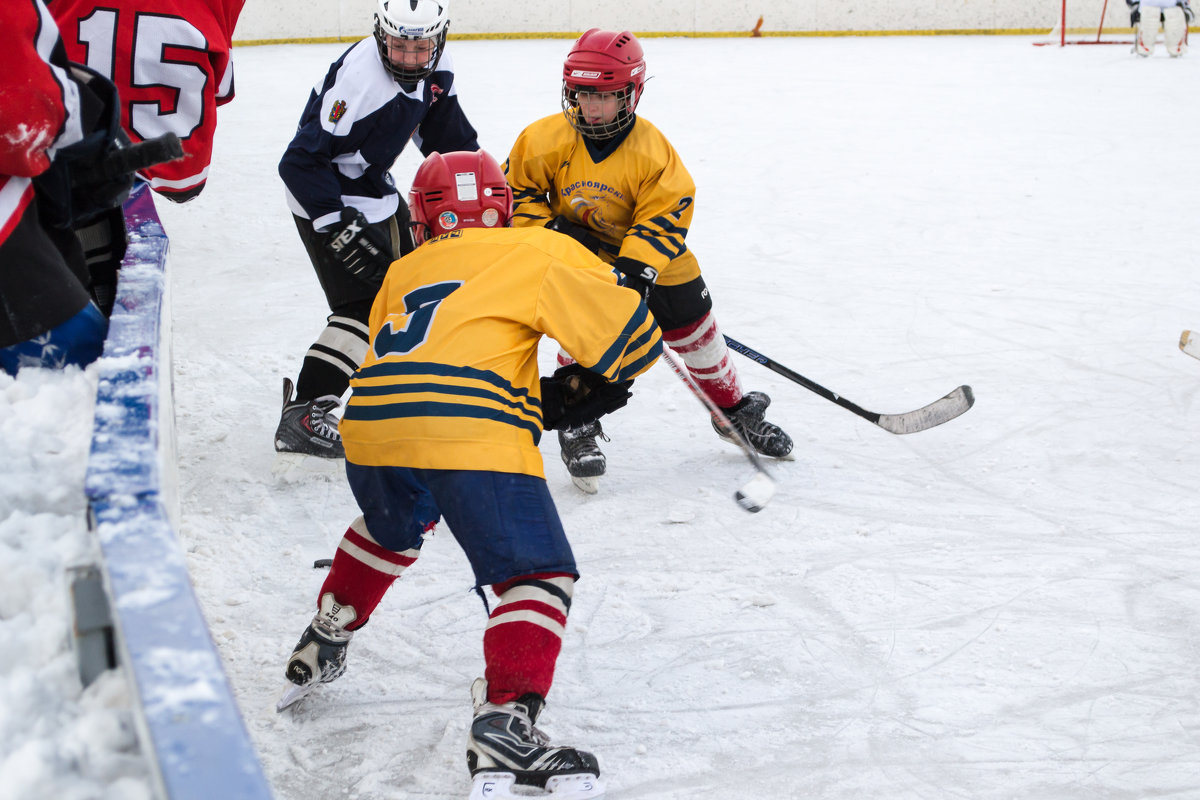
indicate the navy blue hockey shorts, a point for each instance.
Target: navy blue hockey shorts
{"x":505,"y":522}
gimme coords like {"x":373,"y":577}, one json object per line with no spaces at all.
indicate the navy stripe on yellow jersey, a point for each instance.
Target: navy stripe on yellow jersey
{"x":668,"y":239}
{"x":429,"y":408}
{"x":623,"y":345}
{"x":524,"y":411}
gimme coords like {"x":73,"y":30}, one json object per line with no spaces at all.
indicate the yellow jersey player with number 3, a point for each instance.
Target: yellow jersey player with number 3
{"x":609,"y":179}
{"x":444,"y":422}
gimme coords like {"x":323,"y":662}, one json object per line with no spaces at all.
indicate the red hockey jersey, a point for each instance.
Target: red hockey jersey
{"x":39,"y":105}
{"x":170,"y":60}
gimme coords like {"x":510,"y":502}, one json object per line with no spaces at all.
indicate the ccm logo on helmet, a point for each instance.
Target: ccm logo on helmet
{"x":581,"y":73}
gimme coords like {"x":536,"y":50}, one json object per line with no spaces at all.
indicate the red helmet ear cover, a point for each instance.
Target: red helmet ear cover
{"x":458,"y":190}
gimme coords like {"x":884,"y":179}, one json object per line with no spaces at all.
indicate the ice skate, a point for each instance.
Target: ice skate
{"x":320,"y":655}
{"x":582,"y":455}
{"x":505,"y":749}
{"x":765,"y":437}
{"x":308,"y":427}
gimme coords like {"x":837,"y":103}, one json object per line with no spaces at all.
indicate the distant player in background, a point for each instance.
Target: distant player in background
{"x":385,"y":90}
{"x":612,"y":181}
{"x":57,"y":122}
{"x":1145,"y":17}
{"x":444,"y":421}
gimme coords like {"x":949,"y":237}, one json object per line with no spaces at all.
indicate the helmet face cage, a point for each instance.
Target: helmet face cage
{"x":412,"y":20}
{"x":599,"y":130}
{"x":452,"y":191}
{"x":602,"y":62}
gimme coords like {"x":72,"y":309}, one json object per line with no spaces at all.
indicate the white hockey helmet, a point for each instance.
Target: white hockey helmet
{"x":412,"y":20}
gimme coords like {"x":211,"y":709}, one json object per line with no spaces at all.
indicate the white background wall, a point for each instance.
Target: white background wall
{"x":276,"y":20}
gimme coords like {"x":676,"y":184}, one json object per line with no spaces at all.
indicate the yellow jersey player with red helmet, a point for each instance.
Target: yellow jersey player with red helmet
{"x":611,"y":180}
{"x":443,"y":423}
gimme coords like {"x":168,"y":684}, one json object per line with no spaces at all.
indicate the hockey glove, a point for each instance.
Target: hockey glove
{"x":581,"y":234}
{"x":637,"y":275}
{"x":574,"y":396}
{"x":361,"y":249}
{"x":73,"y":192}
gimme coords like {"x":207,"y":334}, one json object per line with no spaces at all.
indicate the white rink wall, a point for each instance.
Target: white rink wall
{"x":277,"y":21}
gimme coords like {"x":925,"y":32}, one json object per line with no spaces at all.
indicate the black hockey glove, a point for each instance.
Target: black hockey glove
{"x":582,"y":234}
{"x":574,"y":396}
{"x":637,"y":275}
{"x":361,"y":249}
{"x":75,"y":190}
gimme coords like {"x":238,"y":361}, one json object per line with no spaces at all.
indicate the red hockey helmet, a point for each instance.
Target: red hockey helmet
{"x":604,"y":61}
{"x":458,"y":190}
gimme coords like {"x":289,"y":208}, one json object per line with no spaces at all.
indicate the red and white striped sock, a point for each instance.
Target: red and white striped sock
{"x":524,"y":635}
{"x":363,"y":570}
{"x":704,"y":352}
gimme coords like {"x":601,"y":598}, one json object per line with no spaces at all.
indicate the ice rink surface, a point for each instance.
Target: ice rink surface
{"x":1002,"y":607}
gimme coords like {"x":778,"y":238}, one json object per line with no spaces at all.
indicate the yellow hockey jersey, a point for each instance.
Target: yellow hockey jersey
{"x":450,"y":380}
{"x":637,"y":198}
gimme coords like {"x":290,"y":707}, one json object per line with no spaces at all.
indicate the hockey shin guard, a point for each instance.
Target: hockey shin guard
{"x":332,"y":358}
{"x":363,"y":570}
{"x":707,"y":358}
{"x":524,"y":635}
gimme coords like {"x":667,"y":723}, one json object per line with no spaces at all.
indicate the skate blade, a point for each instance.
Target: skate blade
{"x":501,"y":786}
{"x":589,"y":485}
{"x":293,"y":694}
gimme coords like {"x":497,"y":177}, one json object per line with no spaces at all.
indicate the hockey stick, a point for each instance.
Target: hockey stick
{"x":1189,"y":343}
{"x":758,"y":491}
{"x":947,"y":408}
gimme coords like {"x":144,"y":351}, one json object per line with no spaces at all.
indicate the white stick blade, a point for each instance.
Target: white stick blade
{"x":757,"y":492}
{"x":1189,"y":342}
{"x":940,"y":411}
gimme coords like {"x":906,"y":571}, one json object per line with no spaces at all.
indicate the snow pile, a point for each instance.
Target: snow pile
{"x":56,"y":738}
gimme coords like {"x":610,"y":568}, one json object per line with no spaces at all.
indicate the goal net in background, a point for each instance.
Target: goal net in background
{"x":1090,"y":22}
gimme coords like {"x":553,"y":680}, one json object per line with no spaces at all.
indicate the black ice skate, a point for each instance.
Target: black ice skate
{"x":320,"y":655}
{"x":763,"y":436}
{"x":308,"y":427}
{"x":582,"y":455}
{"x":503,"y":747}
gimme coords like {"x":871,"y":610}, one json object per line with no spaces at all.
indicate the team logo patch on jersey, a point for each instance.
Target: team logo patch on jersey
{"x":338,"y":110}
{"x":490,"y":217}
{"x":448,"y":220}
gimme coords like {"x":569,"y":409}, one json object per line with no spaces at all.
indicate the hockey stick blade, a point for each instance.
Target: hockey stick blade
{"x":932,"y":415}
{"x":936,"y":413}
{"x":1189,"y":342}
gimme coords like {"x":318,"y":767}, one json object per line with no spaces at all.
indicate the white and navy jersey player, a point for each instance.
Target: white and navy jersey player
{"x":357,"y":122}
{"x":389,"y":89}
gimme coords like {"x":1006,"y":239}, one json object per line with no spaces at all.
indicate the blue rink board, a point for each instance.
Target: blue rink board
{"x":189,"y":725}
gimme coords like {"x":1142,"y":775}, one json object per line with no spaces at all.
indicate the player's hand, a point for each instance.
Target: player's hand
{"x":574,"y":396}
{"x":361,"y":249}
